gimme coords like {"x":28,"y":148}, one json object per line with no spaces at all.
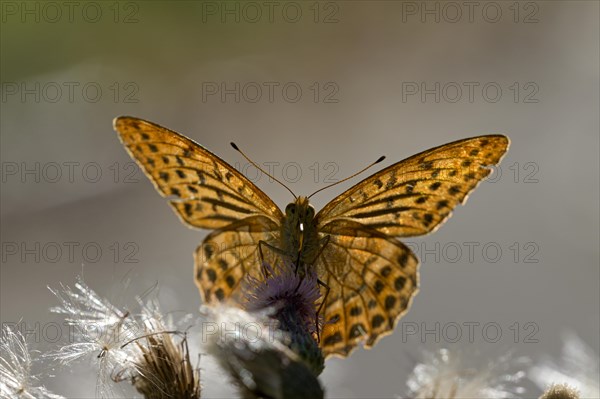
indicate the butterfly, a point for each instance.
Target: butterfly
{"x":368,"y":275}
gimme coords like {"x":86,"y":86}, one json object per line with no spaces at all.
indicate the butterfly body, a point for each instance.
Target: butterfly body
{"x":299,"y":234}
{"x":371,"y":277}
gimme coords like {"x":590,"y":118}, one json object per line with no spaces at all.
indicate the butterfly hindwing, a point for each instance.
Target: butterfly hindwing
{"x":372,"y":280}
{"x":227,"y":256}
{"x":208,"y":193}
{"x":416,"y":195}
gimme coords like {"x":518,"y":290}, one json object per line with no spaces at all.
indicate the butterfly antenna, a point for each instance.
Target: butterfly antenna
{"x":381,"y":158}
{"x":235,"y":147}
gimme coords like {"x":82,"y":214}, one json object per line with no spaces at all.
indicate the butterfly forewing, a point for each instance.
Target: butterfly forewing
{"x":208,"y":192}
{"x":414,"y":196}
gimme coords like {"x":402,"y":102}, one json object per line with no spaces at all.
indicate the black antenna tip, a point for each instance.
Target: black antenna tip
{"x":381,"y":158}
{"x":235,"y":147}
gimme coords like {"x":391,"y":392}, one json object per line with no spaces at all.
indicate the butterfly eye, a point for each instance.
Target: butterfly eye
{"x":290,"y":209}
{"x":310,"y":212}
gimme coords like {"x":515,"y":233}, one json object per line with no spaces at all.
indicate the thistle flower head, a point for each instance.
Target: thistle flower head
{"x":99,"y":331}
{"x":292,"y":299}
{"x":16,"y":363}
{"x":285,"y":291}
{"x":560,"y":391}
{"x":256,"y":355}
{"x":578,"y":367}
{"x":442,"y":374}
{"x":161,"y":366}
{"x":136,"y":347}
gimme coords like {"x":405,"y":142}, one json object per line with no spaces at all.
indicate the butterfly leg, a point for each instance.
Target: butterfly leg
{"x":298,"y":262}
{"x":323,"y":242}
{"x":322,"y":284}
{"x":262,"y":255}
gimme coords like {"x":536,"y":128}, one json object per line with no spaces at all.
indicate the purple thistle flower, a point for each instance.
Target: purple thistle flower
{"x":285,"y":291}
{"x":269,"y":348}
{"x":256,"y":355}
{"x":292,"y":298}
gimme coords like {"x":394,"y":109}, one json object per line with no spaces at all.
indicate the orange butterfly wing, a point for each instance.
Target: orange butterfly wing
{"x":370,"y":267}
{"x":207,"y":193}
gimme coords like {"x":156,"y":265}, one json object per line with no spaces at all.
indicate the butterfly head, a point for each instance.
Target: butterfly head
{"x":300,"y":223}
{"x":300,"y":214}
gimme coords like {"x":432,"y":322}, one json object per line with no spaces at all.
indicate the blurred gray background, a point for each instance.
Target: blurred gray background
{"x":350,"y":80}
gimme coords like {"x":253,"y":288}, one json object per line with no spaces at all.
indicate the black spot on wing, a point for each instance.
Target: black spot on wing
{"x":208,"y":250}
{"x":390,"y":301}
{"x":164,"y":176}
{"x":333,"y":339}
{"x":399,"y":283}
{"x":453,"y":190}
{"x":378,"y":286}
{"x":223,"y":264}
{"x":211,"y":274}
{"x":385,"y":271}
{"x":435,"y":186}
{"x":355,"y":311}
{"x":377,"y":320}
{"x":403,"y":259}
{"x":428,"y":219}
{"x":230,"y":280}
